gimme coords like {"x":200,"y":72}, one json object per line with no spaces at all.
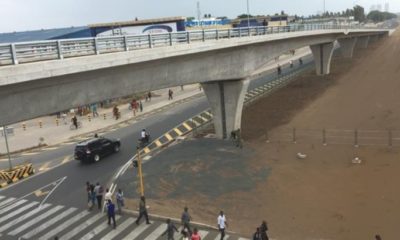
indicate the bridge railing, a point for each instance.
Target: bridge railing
{"x":25,"y":52}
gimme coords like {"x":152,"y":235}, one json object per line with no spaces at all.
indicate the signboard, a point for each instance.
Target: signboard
{"x":145,"y":29}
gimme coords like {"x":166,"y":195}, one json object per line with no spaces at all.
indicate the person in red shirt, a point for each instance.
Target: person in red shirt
{"x":195,"y":235}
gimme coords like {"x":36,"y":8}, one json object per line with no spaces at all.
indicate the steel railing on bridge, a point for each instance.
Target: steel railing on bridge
{"x":25,"y":52}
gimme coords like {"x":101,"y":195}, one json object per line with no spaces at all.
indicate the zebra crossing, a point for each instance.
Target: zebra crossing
{"x":24,"y":219}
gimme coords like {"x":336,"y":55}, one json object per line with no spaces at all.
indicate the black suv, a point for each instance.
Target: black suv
{"x":96,"y":148}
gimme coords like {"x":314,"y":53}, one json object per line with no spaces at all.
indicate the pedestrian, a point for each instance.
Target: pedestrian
{"x":279,"y":69}
{"x":263,"y":230}
{"x":99,"y":194}
{"x":257,"y":235}
{"x":75,"y":121}
{"x":142,"y":211}
{"x":291,"y":63}
{"x":94,"y":110}
{"x":195,"y":235}
{"x":170,"y":231}
{"x":300,"y":61}
{"x":88,"y":191}
{"x":92,"y":197}
{"x":111,"y":213}
{"x":120,"y":200}
{"x":149,"y":96}
{"x":170,"y":94}
{"x":140,"y":106}
{"x":185,"y":220}
{"x":116,"y":112}
{"x":222,"y":224}
{"x":108,"y":195}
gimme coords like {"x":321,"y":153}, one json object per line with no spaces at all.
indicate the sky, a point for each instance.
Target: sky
{"x":22,"y":15}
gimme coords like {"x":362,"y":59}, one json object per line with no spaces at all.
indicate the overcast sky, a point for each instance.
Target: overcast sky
{"x":21,"y":15}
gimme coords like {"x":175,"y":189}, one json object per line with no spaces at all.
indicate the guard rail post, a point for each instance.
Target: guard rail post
{"x":126,"y":45}
{"x":188,"y":37}
{"x":96,"y":46}
{"x":216,"y":34}
{"x":204,"y":36}
{"x":150,"y":41}
{"x":13,"y":54}
{"x":170,"y":39}
{"x":59,"y":50}
{"x":229,"y":33}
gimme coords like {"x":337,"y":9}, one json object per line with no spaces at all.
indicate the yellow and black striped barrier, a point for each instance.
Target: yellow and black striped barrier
{"x":15,"y":174}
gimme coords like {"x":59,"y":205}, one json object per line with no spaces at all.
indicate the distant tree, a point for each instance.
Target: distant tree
{"x":359,"y":14}
{"x":378,"y":16}
{"x":205,"y":15}
{"x":244,"y":16}
{"x":209,"y":15}
{"x":190,"y":19}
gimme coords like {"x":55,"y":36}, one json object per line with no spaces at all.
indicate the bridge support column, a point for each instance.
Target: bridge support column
{"x":362,"y":42}
{"x":226,"y":99}
{"x":322,"y":56}
{"x":374,"y":38}
{"x":347,"y":46}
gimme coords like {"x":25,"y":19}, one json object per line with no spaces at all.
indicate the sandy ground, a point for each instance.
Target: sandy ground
{"x":325,"y":195}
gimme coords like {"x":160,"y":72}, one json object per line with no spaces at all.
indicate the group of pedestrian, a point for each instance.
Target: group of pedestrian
{"x":135,"y":106}
{"x":261,"y":232}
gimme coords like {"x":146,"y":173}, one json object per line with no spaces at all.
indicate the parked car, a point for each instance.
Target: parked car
{"x":94,"y":149}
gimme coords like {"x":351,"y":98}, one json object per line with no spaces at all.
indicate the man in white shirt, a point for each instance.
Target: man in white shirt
{"x":222,"y":224}
{"x":108,"y":195}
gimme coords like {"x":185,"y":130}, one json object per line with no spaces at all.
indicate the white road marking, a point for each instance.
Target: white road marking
{"x":5,"y":209}
{"x":49,"y":223}
{"x":35,"y":220}
{"x":18,"y":211}
{"x":157,"y":232}
{"x":23,"y":217}
{"x":203,"y":234}
{"x":98,"y":229}
{"x":7,"y":201}
{"x":119,"y":229}
{"x":218,"y":237}
{"x":63,"y":226}
{"x":81,"y":227}
{"x":136,"y":232}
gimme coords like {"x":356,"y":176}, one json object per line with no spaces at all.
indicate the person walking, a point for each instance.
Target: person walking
{"x":291,"y":63}
{"x":116,"y":112}
{"x":300,"y":61}
{"x":92,"y":197}
{"x":170,"y":231}
{"x":257,"y":235}
{"x":120,"y":200}
{"x":75,"y":121}
{"x":99,"y":194}
{"x":195,"y":235}
{"x":140,"y":106}
{"x":94,"y":110}
{"x":185,"y":235}
{"x":279,"y":69}
{"x":263,"y":230}
{"x":149,"y":96}
{"x":185,"y":220}
{"x":142,"y":211}
{"x":111,"y":213}
{"x":170,"y":94}
{"x":222,"y":224}
{"x":108,"y":195}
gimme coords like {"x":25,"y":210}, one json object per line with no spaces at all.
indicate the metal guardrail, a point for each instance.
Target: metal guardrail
{"x":25,"y":52}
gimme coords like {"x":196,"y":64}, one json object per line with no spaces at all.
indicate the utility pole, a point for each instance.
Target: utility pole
{"x":140,"y":174}
{"x":198,"y":12}
{"x":324,"y":8}
{"x":248,"y":14}
{"x":8,"y":150}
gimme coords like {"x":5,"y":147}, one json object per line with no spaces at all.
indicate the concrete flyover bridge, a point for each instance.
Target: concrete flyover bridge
{"x":39,"y":78}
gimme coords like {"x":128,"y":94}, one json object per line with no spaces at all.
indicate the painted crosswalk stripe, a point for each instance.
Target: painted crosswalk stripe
{"x":1,"y":197}
{"x":5,"y":209}
{"x":35,"y":220}
{"x":81,"y":227}
{"x":18,"y":211}
{"x":7,"y":201}
{"x":97,"y":230}
{"x":49,"y":223}
{"x":119,"y":229}
{"x":203,"y":234}
{"x":136,"y":232}
{"x":64,"y":225}
{"x":23,"y":217}
{"x":157,"y":232}
{"x":243,"y":238}
{"x":218,"y":237}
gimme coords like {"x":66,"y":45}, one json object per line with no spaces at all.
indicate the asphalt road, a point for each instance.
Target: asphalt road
{"x":71,"y":192}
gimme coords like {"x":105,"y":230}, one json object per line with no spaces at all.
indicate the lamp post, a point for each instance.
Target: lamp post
{"x":248,"y":14}
{"x":8,"y":150}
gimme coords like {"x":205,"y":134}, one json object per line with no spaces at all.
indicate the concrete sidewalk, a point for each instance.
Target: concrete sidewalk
{"x":53,"y":134}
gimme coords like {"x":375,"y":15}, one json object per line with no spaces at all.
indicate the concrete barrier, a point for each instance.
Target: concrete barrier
{"x":17,"y":173}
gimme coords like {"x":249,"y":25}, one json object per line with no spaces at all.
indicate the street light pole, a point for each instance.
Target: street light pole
{"x":8,"y":150}
{"x":248,"y":14}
